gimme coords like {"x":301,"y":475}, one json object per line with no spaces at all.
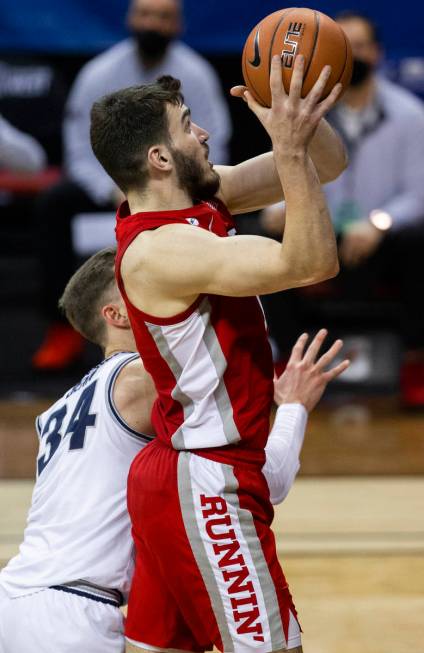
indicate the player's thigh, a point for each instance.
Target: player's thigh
{"x":50,"y":621}
{"x":232,"y":518}
{"x":221,"y":574}
{"x":226,"y":516}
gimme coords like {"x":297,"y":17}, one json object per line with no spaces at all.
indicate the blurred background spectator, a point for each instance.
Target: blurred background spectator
{"x":377,"y":206}
{"x":32,"y":95}
{"x":48,"y":79}
{"x":19,"y":152}
{"x":152,"y":50}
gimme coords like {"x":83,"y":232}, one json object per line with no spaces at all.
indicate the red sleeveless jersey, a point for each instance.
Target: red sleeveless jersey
{"x":212,"y":364}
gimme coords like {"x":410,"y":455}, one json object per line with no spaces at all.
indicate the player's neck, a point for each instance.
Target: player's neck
{"x":118,"y":350}
{"x":159,"y":197}
{"x":120,"y":341}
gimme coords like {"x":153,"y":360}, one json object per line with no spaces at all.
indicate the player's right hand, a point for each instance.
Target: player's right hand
{"x":291,"y":120}
{"x":305,"y":378}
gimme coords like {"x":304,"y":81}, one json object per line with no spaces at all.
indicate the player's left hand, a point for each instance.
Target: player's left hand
{"x":305,"y":378}
{"x":360,"y":240}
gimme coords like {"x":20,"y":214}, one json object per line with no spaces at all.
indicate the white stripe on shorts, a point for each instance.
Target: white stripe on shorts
{"x":229,"y":555}
{"x":294,"y":638}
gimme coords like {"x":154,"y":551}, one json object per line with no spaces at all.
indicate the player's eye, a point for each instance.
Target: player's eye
{"x":188,"y":126}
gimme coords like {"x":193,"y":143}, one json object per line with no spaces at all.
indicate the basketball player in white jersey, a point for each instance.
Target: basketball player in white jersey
{"x":62,"y":592}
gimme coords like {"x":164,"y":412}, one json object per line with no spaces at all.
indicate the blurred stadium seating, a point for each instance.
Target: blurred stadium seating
{"x":42,"y":47}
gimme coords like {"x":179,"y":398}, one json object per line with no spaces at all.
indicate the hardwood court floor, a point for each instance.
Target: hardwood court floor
{"x":352,"y":549}
{"x":344,"y":436}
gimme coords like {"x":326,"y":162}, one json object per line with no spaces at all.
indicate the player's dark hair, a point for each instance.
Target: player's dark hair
{"x":349,"y":14}
{"x":86,"y":292}
{"x":125,"y":124}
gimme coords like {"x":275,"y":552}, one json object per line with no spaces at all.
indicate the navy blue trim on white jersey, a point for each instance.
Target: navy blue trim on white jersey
{"x":38,"y":426}
{"x":111,"y":404}
{"x":107,"y":596}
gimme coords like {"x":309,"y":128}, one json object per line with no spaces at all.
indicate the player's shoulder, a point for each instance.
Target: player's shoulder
{"x":149,"y":250}
{"x":133,"y":380}
{"x":152,"y":245}
{"x":130,"y":375}
{"x":172,"y":231}
{"x":138,"y":253}
{"x":133,"y":396}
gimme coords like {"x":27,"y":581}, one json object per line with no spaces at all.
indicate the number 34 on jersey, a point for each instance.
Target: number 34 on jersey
{"x":65,"y":424}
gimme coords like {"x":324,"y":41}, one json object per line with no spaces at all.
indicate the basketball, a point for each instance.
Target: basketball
{"x":288,"y":33}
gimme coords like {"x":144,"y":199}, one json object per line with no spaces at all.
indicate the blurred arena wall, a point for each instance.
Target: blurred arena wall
{"x":213,"y":27}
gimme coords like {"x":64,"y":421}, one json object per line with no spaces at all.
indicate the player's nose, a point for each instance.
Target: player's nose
{"x":201,"y":133}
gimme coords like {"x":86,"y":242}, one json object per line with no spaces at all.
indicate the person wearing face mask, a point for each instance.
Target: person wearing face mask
{"x":377,"y":203}
{"x":152,"y":49}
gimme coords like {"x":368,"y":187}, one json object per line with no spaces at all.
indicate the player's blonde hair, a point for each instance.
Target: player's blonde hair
{"x":87,"y":291}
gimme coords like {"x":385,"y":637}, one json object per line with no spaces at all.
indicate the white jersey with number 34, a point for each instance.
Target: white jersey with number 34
{"x":78,"y":526}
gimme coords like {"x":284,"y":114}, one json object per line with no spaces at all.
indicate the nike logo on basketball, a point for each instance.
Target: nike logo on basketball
{"x":231,"y":562}
{"x":257,"y":60}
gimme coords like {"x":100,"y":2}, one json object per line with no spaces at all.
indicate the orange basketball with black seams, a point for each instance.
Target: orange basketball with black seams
{"x":288,"y":33}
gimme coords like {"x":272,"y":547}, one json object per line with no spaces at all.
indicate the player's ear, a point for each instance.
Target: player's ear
{"x":159,"y":158}
{"x":116,"y":315}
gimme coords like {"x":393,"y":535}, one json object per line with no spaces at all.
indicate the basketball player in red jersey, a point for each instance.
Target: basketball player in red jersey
{"x":206,"y":568}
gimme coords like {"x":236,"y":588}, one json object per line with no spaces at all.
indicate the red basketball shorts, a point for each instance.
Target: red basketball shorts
{"x":206,"y":569}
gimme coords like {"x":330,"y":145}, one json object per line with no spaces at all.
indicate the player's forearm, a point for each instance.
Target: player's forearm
{"x":309,"y":244}
{"x":255,"y":183}
{"x":327,"y":152}
{"x":283,"y":450}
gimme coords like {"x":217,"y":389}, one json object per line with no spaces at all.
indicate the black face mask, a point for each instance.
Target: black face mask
{"x":361,"y":72}
{"x":151,"y":44}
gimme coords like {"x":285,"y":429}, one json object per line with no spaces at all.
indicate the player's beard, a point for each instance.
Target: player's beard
{"x":192,"y":177}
